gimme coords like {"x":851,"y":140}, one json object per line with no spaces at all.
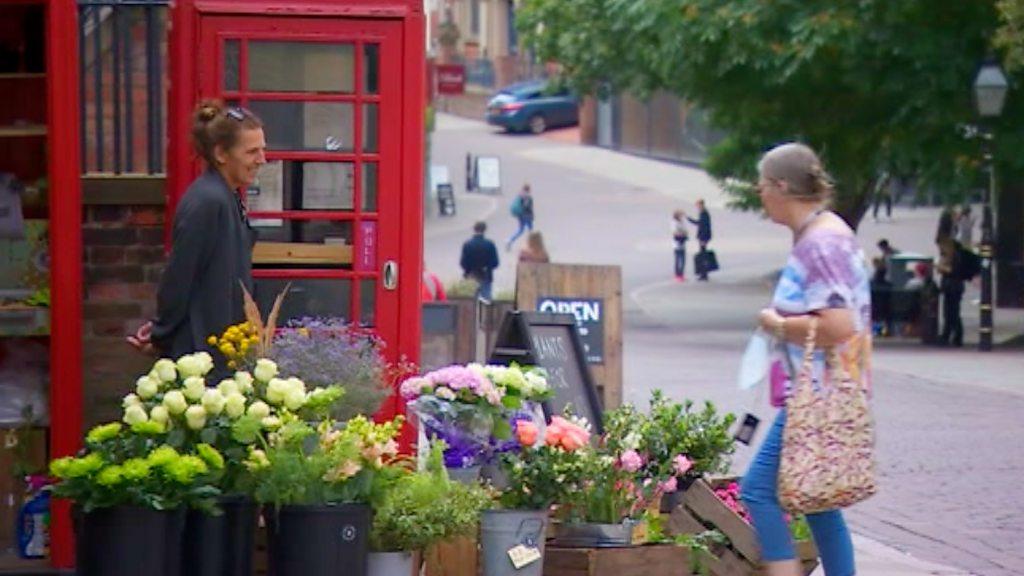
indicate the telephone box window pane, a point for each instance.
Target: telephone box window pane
{"x":302,"y":244}
{"x":301,"y":67}
{"x":367,"y":302}
{"x":324,"y":297}
{"x":299,"y":185}
{"x":305,"y":231}
{"x":370,"y":127}
{"x":320,"y":126}
{"x":232,"y":57}
{"x":371,"y":66}
{"x":369,"y":187}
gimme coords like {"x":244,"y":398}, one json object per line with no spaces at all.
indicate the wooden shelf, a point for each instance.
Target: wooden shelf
{"x":21,"y":75}
{"x":297,"y":253}
{"x":23,"y":131}
{"x":12,"y":564}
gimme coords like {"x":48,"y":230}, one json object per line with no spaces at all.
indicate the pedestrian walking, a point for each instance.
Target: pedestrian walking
{"x":680,"y":234}
{"x":823,"y":290}
{"x":535,"y":251}
{"x":965,"y":227}
{"x":200,"y":292}
{"x":522,"y":209}
{"x":883,"y":196}
{"x":951,"y":286}
{"x":479,"y":260}
{"x":703,"y":223}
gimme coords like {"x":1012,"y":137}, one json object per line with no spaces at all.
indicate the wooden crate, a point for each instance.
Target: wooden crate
{"x":701,"y":510}
{"x":650,"y":560}
{"x":456,"y":557}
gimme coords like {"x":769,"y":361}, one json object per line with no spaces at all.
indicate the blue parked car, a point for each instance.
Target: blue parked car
{"x":527,"y":106}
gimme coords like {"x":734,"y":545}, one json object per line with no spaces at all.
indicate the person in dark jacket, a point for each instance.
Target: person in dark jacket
{"x":522,"y":209}
{"x":952,"y":288}
{"x":703,"y":223}
{"x":200,"y":292}
{"x":479,"y":259}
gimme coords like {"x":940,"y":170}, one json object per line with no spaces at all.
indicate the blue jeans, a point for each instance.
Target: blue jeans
{"x":680,"y":261}
{"x":759,"y":492}
{"x":524,"y":225}
{"x":483,"y":290}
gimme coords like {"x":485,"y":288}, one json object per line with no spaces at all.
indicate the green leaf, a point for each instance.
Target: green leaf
{"x":208,"y":436}
{"x":246,"y":429}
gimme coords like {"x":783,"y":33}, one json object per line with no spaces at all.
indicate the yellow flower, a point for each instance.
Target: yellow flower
{"x":212,"y":340}
{"x":227,"y":349}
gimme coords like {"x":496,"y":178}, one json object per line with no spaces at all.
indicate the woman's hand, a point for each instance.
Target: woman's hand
{"x":142,"y":339}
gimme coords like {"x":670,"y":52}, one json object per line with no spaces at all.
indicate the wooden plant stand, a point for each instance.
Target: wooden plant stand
{"x":702,"y":510}
{"x":648,"y":560}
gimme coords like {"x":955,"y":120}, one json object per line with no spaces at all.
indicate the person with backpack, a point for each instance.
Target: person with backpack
{"x":522,"y":210}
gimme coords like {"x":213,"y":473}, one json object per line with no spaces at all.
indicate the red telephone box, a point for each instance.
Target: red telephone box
{"x":339,"y":87}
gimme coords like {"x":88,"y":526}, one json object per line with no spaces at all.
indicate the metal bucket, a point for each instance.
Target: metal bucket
{"x":589,"y":535}
{"x":503,"y":530}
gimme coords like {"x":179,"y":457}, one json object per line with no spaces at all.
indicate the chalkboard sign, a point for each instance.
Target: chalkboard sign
{"x":446,"y":199}
{"x":552,"y":342}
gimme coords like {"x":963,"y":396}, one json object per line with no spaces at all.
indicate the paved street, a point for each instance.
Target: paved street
{"x":949,"y":421}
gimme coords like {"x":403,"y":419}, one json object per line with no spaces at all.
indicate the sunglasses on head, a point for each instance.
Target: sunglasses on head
{"x":237,"y":113}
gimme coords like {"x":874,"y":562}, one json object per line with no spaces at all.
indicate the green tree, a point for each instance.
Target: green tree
{"x":1010,"y":36}
{"x":873,"y":85}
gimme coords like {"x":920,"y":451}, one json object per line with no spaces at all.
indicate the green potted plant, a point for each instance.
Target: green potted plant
{"x":130,"y":489}
{"x":231,"y":415}
{"x":536,"y":481}
{"x":418,"y":510}
{"x":673,"y":440}
{"x":319,"y":481}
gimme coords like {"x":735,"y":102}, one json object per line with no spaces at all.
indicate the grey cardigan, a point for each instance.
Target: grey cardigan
{"x":200,"y":294}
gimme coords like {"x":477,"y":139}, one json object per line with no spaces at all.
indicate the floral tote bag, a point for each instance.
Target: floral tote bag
{"x":827,"y":459}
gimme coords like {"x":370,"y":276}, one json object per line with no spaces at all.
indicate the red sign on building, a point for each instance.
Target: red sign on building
{"x":451,"y":79}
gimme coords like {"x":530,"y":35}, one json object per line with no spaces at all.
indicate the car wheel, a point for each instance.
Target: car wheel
{"x":538,"y":124}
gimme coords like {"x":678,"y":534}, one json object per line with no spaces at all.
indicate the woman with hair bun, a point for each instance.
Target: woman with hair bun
{"x":825,"y":283}
{"x":200,"y":293}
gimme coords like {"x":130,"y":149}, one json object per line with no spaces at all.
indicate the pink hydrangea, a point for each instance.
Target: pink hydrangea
{"x":414,"y":387}
{"x":631,"y":461}
{"x":668,"y":486}
{"x":457,"y":378}
{"x":681,"y":464}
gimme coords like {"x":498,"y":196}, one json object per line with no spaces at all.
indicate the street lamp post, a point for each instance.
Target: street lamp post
{"x":990,"y":88}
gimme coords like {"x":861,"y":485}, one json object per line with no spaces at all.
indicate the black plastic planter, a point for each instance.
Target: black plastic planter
{"x":128,"y":541}
{"x":220,"y":545}
{"x":318,"y":540}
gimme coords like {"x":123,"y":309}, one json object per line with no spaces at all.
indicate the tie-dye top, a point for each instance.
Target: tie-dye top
{"x":826,"y":269}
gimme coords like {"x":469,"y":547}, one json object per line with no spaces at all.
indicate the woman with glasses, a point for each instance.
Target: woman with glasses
{"x":825,"y":280}
{"x":200,"y":293}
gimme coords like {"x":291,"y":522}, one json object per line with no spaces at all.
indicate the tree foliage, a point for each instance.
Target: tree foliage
{"x":1010,"y":36}
{"x":873,"y":85}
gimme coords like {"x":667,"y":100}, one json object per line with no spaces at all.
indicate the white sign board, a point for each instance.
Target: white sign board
{"x":488,"y":173}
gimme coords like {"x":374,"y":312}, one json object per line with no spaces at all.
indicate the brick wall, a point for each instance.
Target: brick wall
{"x":123,"y":261}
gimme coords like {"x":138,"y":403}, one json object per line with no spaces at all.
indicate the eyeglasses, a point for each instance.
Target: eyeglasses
{"x":237,"y":113}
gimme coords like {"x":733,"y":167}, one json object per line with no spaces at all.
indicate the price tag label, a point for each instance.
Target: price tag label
{"x":523,"y":555}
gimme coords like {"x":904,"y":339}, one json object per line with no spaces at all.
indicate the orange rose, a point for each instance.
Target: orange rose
{"x":526,"y":432}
